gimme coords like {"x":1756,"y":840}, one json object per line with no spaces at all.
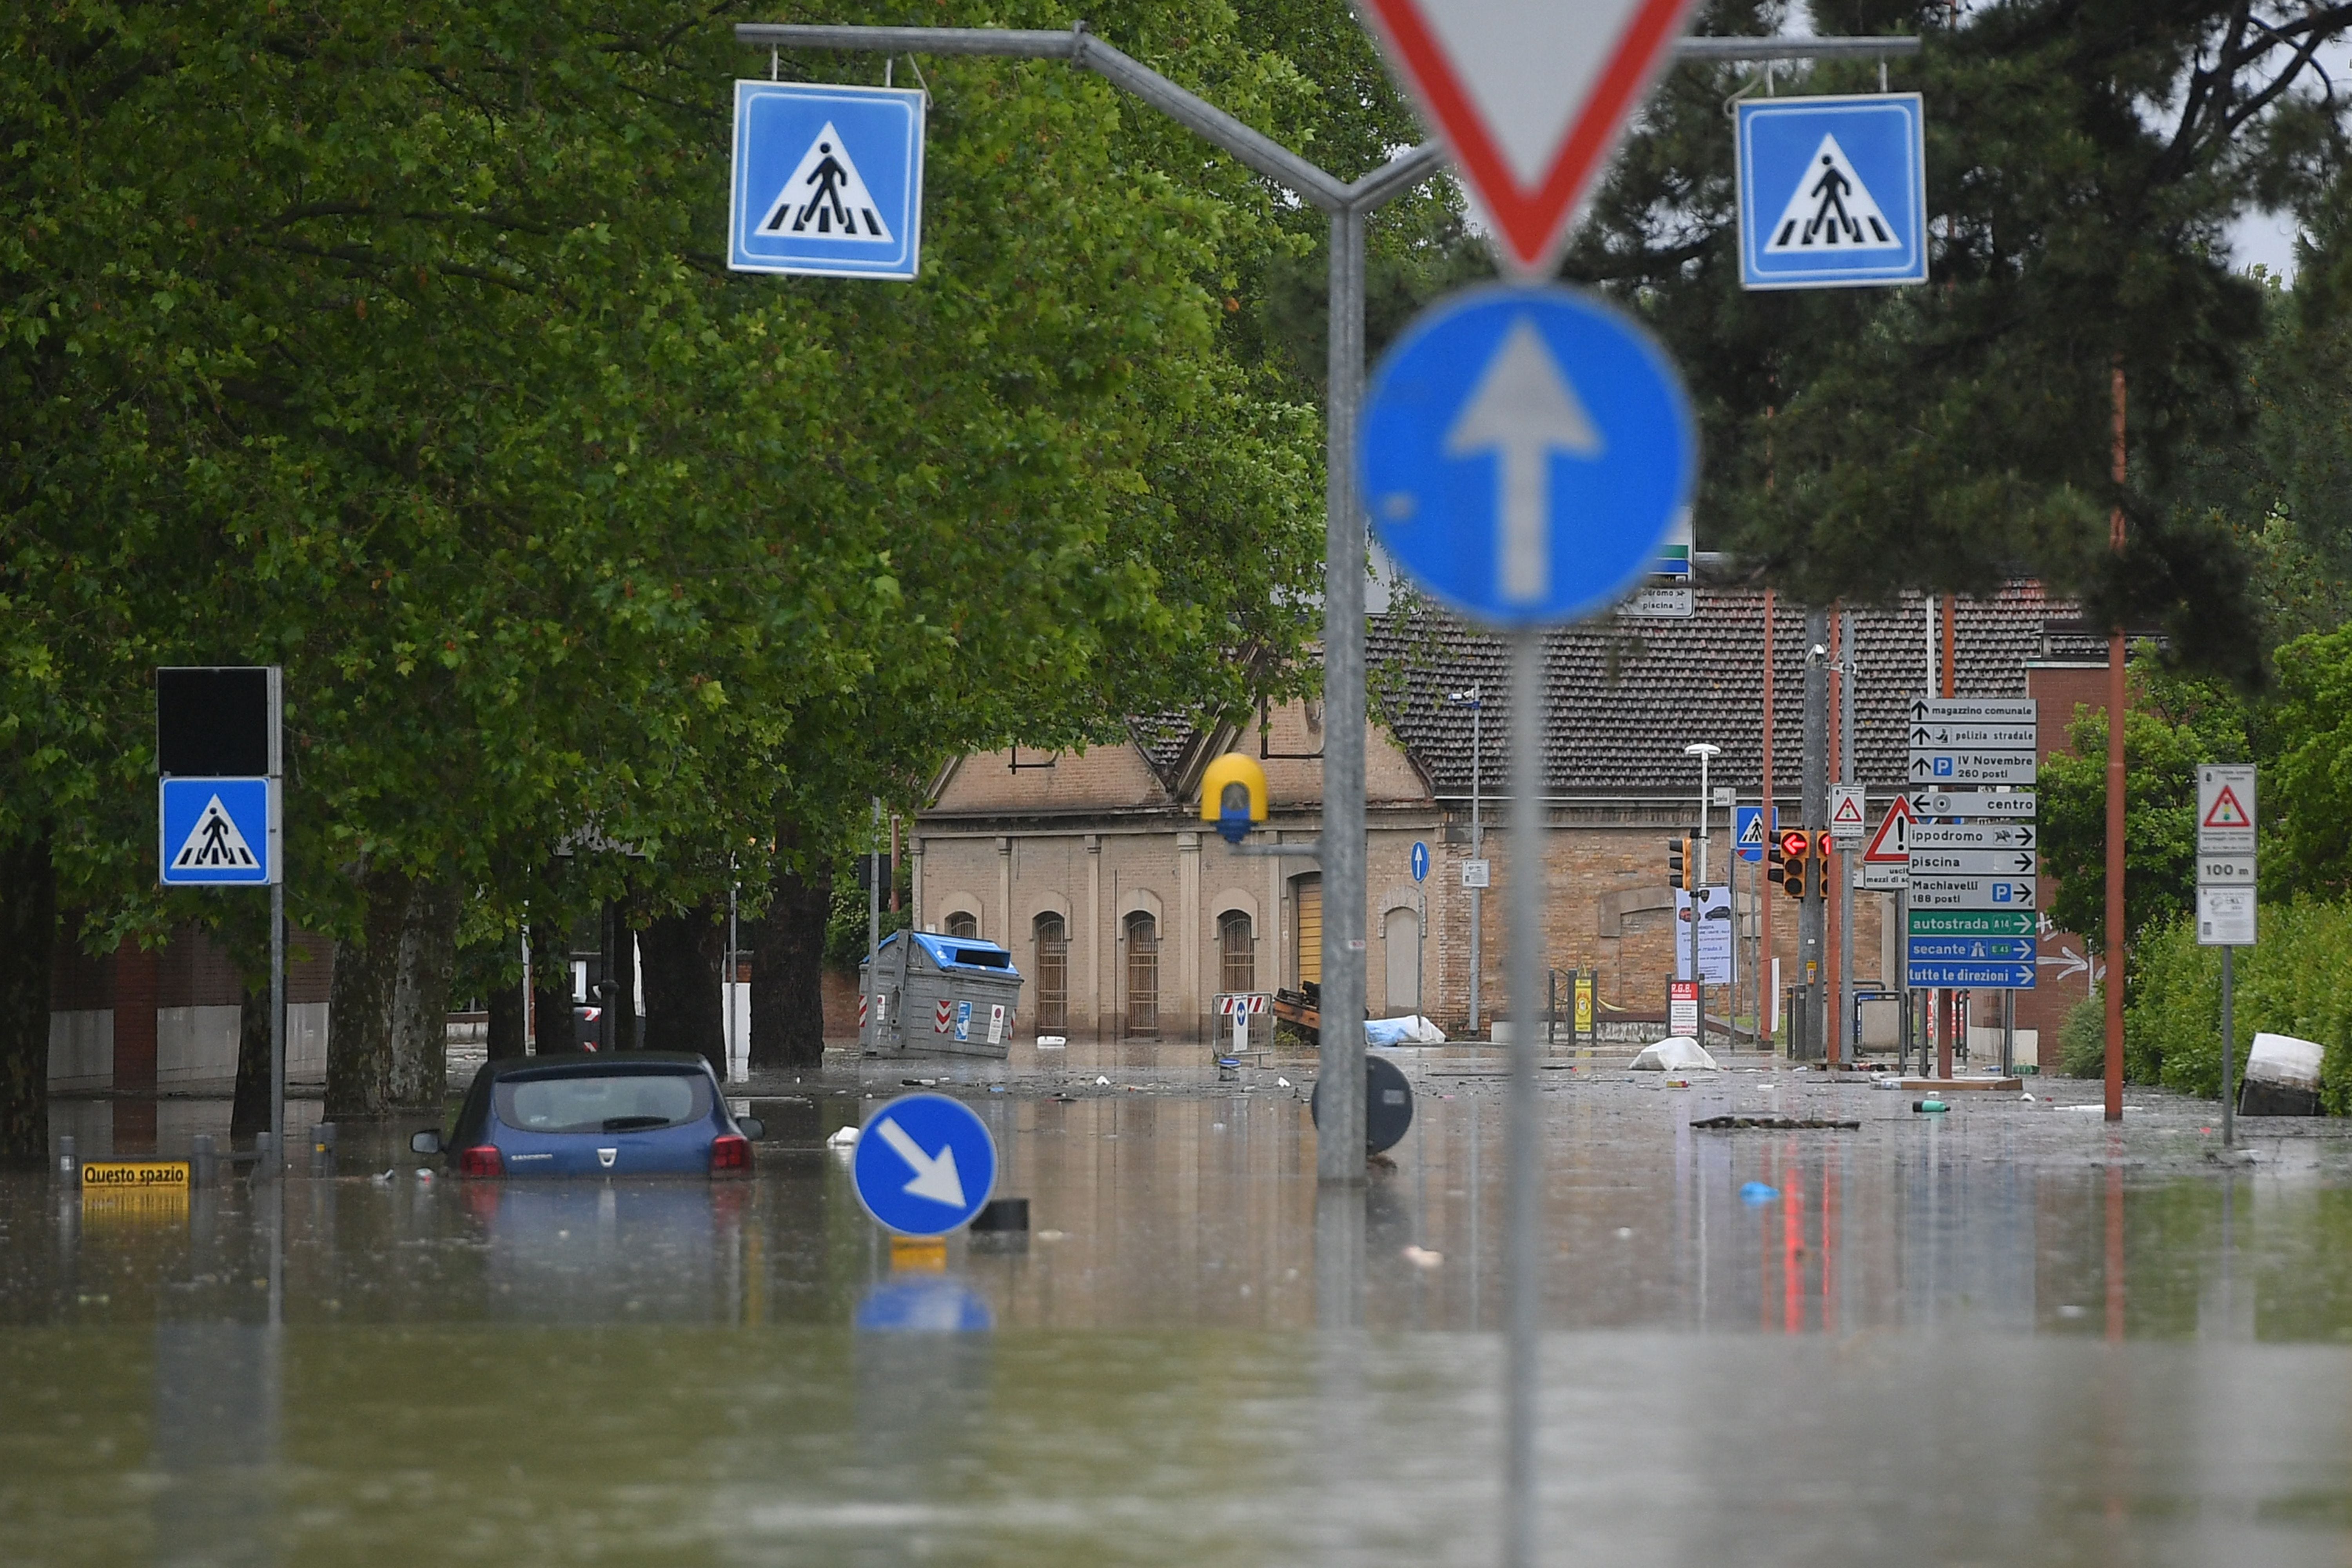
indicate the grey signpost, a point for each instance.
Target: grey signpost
{"x":2225,"y":894}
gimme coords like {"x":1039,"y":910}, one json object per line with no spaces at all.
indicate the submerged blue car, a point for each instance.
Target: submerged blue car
{"x":634,"y":1114}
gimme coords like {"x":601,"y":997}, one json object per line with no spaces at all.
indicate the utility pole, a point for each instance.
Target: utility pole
{"x":1469,"y":697}
{"x":1848,"y":666}
{"x":1814,"y":812}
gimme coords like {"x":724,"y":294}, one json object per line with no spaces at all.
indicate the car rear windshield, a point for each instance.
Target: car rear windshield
{"x":604,"y":1102}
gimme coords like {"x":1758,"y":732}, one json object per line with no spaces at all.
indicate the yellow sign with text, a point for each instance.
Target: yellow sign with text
{"x":1584,"y":1006}
{"x":136,"y":1176}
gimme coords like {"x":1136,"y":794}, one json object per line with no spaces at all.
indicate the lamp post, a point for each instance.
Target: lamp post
{"x":1704,"y":751}
{"x":1469,"y":698}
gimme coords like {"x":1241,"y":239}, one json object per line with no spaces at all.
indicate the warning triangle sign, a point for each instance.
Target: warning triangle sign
{"x":214,"y":843}
{"x":1891,"y":845}
{"x":1831,"y":209}
{"x":2227,"y":811}
{"x":1849,"y":810}
{"x":1530,"y":96}
{"x":827,"y":196}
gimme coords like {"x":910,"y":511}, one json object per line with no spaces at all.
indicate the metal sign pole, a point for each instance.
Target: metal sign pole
{"x":1525,"y":1188}
{"x":277,"y":1021}
{"x":2229,"y":1044}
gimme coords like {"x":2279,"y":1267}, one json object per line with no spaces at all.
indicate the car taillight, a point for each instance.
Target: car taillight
{"x":730,"y":1152}
{"x":482,"y":1160}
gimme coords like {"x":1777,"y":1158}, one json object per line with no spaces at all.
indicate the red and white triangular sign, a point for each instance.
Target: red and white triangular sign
{"x":1891,"y":845}
{"x":1529,"y":95}
{"x":2227,"y":812}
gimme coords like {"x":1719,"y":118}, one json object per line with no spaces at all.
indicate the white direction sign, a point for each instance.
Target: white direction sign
{"x":1973,"y":862}
{"x":1974,"y":836}
{"x":1973,"y":737}
{"x":2006,"y":710}
{"x":1928,"y":803}
{"x":1946,"y":892}
{"x":1933,"y":768}
{"x":2225,"y":811}
{"x":1846,"y":819}
{"x":1529,"y":96}
{"x":1661,"y":603}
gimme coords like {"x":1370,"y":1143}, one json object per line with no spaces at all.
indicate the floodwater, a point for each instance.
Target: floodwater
{"x":2006,"y":1334}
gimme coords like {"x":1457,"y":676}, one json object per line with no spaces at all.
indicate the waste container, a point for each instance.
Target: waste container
{"x":926,"y":994}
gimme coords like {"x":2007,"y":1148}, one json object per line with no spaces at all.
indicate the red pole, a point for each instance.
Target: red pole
{"x":1834,"y":863}
{"x":1764,"y":899}
{"x":1946,"y":1012}
{"x":2117,"y":698}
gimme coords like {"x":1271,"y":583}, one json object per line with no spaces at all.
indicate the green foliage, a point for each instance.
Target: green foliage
{"x":2174,"y":724}
{"x":2297,"y":980}
{"x":2083,"y":1039}
{"x":2306,"y":789}
{"x":846,"y":927}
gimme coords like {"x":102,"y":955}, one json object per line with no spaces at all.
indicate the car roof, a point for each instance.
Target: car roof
{"x":595,"y":1064}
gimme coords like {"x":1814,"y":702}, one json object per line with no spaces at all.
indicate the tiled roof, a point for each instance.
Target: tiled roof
{"x":1627,"y":695}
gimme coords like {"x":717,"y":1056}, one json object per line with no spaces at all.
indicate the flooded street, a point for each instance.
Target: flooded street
{"x":2002,"y":1334}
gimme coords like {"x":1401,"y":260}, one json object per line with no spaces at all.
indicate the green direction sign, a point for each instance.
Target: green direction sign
{"x":1972,"y":922}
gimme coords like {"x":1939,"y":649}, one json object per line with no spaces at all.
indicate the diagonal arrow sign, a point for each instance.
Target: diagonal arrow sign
{"x":1523,"y":411}
{"x":935,"y":1175}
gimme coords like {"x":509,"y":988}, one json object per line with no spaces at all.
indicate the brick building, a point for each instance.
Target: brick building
{"x":1128,"y":917}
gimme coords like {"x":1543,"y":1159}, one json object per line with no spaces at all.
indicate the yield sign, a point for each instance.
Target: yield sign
{"x":1890,"y":845}
{"x":1529,"y":96}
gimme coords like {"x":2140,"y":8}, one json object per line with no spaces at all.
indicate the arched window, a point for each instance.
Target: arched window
{"x":1236,"y":952}
{"x":964,"y":923}
{"x":1142,"y":975}
{"x":1052,"y":972}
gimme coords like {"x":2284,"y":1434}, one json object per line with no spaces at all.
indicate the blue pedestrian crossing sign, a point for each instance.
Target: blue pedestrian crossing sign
{"x":1420,"y":861}
{"x":924,"y":1164}
{"x":1748,"y":830}
{"x":1525,"y":453}
{"x":218,"y":831}
{"x":828,"y":181}
{"x":1832,"y":192}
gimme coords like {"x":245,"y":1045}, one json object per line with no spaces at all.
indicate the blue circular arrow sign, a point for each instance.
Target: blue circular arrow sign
{"x":1524,"y":453}
{"x":924,"y":1164}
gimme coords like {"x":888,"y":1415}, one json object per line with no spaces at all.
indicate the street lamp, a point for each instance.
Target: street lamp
{"x":1705,"y":751}
{"x":1468,"y":696}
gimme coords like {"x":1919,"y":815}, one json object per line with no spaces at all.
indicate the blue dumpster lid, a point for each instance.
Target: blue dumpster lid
{"x":966,"y":952}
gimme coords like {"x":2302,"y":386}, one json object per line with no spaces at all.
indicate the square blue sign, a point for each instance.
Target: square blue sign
{"x":1832,"y":192}
{"x":828,"y":181}
{"x":218,"y":831}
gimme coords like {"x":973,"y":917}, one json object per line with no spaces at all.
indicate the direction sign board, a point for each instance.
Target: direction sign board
{"x":2004,"y":710}
{"x":2000,"y":834}
{"x":1661,"y":602}
{"x":924,"y":1164}
{"x":1523,"y":449}
{"x":1972,"y":767}
{"x":1973,"y":737}
{"x":1997,"y":804}
{"x":1971,"y":922}
{"x":1972,"y":949}
{"x":1942,"y":892}
{"x":218,"y":831}
{"x":1847,"y":819}
{"x":1529,"y":96}
{"x":1832,"y":192}
{"x":1972,"y":862}
{"x":1970,"y":976}
{"x":2225,"y":810}
{"x":828,"y":181}
{"x":1420,"y":861}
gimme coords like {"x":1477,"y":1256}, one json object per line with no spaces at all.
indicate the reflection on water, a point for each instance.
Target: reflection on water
{"x":1987,"y":1337}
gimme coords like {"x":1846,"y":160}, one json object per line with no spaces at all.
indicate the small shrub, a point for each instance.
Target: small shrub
{"x":2083,"y":1039}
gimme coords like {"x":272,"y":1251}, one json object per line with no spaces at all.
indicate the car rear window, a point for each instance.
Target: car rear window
{"x":604,"y":1102}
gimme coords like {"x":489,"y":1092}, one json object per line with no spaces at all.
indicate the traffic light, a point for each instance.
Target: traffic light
{"x":1678,"y":862}
{"x":1800,"y":873}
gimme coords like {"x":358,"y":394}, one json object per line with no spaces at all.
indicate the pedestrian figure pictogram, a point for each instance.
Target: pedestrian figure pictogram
{"x":825,"y":196}
{"x":1831,"y":209}
{"x":215,"y":843}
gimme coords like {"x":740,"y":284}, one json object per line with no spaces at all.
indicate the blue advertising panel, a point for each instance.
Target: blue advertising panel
{"x":828,"y":181}
{"x":1832,"y":192}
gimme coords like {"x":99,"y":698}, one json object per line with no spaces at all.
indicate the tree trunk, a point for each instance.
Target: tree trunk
{"x":556,"y":1029}
{"x":29,"y":934}
{"x":788,"y":972}
{"x":620,"y":1019}
{"x":505,"y":1022}
{"x":683,"y":953}
{"x":249,"y":1111}
{"x":385,"y":1046}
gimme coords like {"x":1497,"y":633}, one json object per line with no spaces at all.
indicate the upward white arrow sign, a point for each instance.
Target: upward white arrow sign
{"x":1524,"y":410}
{"x":935,"y":1175}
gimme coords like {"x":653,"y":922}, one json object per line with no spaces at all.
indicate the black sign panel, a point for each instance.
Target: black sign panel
{"x":219,"y":721}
